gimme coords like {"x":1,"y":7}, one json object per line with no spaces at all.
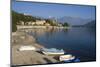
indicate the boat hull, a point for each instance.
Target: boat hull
{"x":66,"y":57}
{"x":52,"y":53}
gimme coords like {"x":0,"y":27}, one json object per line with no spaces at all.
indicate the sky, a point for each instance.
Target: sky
{"x":47,"y":10}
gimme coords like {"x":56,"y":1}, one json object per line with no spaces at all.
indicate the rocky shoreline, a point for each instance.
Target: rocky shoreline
{"x":28,"y":57}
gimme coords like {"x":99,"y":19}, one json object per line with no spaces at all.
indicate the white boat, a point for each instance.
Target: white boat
{"x":67,"y":57}
{"x":26,"y":48}
{"x":52,"y":51}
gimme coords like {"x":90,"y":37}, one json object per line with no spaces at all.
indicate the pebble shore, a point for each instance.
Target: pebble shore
{"x":28,"y":57}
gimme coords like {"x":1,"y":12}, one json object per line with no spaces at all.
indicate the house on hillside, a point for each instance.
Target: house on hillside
{"x":30,"y":23}
{"x":47,"y":24}
{"x":59,"y":24}
{"x":22,"y":22}
{"x":40,"y":22}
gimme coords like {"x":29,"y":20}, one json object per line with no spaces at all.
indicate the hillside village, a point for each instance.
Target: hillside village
{"x":37,"y":23}
{"x":27,"y":21}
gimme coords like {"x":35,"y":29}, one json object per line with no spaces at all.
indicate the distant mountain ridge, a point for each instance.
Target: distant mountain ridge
{"x":91,"y":24}
{"x":73,"y":20}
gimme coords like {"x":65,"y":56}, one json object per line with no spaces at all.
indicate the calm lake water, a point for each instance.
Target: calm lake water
{"x":79,"y":41}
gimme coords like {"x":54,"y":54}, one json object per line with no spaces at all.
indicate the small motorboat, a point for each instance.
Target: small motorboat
{"x":69,"y":58}
{"x":52,"y":51}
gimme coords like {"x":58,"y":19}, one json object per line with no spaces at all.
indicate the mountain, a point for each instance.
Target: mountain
{"x":91,"y":24}
{"x":73,"y":20}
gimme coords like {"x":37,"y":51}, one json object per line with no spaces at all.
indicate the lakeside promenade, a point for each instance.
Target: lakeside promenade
{"x":40,"y":27}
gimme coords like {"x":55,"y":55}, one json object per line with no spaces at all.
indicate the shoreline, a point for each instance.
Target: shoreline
{"x":28,"y":57}
{"x":40,"y":27}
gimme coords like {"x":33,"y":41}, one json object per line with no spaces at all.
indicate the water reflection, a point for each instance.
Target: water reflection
{"x":79,"y":41}
{"x":39,"y":32}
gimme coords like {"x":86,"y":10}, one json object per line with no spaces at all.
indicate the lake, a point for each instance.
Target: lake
{"x":78,"y":41}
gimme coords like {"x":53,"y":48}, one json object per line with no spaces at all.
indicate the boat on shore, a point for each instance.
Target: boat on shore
{"x":52,"y":51}
{"x":27,"y":48}
{"x":68,"y":58}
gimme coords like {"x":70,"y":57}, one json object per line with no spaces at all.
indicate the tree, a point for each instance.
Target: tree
{"x":17,"y":17}
{"x":50,"y":22}
{"x":14,"y":21}
{"x":66,"y":24}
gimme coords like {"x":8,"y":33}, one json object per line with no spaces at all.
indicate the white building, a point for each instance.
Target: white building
{"x":22,"y":23}
{"x":40,"y":22}
{"x":47,"y":24}
{"x":31,"y":23}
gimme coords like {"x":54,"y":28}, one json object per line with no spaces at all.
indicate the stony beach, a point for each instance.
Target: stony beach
{"x":28,"y":57}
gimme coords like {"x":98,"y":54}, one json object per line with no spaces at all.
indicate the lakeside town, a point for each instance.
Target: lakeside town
{"x":44,"y":33}
{"x":25,"y":48}
{"x":21,"y":21}
{"x":38,"y":24}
